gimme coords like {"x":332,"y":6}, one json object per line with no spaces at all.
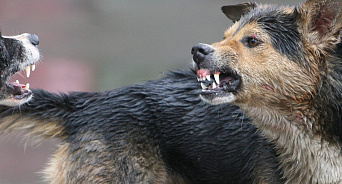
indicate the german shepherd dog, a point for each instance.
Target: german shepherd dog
{"x":158,"y":132}
{"x":279,"y":64}
{"x":283,"y":67}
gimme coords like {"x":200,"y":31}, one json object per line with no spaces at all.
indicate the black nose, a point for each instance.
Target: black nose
{"x":200,"y":51}
{"x":34,"y":39}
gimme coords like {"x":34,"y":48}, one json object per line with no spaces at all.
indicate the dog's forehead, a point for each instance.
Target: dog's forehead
{"x":280,"y":23}
{"x":269,"y":14}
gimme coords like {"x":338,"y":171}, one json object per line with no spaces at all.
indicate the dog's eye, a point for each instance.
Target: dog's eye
{"x":253,"y":42}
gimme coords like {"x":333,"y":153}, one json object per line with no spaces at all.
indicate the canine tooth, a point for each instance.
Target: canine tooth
{"x":17,"y":81}
{"x":33,"y":67}
{"x":27,"y":86}
{"x":28,"y":71}
{"x":217,"y":78}
{"x":208,"y":77}
{"x":203,"y":86}
{"x":214,"y":85}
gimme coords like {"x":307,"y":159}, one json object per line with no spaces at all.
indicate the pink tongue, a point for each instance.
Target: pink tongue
{"x":16,"y":84}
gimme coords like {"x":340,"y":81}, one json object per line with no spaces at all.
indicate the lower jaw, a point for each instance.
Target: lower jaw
{"x":219,"y":98}
{"x":16,"y":100}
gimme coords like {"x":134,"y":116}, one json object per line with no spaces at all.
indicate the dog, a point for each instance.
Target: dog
{"x":158,"y":132}
{"x":282,"y":66}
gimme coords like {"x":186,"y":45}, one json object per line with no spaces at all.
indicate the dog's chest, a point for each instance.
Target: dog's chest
{"x":306,"y":158}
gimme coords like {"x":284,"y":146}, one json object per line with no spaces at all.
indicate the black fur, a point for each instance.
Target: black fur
{"x":282,"y":28}
{"x":10,"y":50}
{"x":202,"y":143}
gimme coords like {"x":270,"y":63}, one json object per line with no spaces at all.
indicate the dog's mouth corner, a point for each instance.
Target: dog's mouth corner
{"x":218,"y":86}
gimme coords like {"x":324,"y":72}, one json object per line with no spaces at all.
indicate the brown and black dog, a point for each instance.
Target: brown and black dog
{"x":283,"y":67}
{"x":157,"y":132}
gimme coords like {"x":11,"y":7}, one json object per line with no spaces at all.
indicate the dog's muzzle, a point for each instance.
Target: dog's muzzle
{"x":218,"y":84}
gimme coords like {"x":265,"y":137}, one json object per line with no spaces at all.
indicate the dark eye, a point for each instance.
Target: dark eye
{"x":253,"y":42}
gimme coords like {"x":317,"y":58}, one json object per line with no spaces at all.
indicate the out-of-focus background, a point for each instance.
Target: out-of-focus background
{"x":93,"y":45}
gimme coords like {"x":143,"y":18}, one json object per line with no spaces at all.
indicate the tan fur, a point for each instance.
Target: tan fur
{"x":91,"y":163}
{"x":46,"y":129}
{"x":58,"y":167}
{"x":90,"y":160}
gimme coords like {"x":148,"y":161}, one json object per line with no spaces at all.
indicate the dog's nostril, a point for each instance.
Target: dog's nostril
{"x":200,"y":51}
{"x":202,"y":48}
{"x":34,"y":39}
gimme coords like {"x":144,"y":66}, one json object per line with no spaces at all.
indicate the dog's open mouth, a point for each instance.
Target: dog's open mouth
{"x":218,"y":86}
{"x":18,"y":53}
{"x":20,"y":91}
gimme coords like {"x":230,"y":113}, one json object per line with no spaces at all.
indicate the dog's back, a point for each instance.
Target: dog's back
{"x":159,"y":132}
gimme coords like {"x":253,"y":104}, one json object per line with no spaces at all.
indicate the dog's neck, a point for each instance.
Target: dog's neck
{"x":305,"y":156}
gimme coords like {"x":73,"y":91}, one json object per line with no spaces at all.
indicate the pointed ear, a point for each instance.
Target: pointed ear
{"x":235,"y":12}
{"x":321,"y":21}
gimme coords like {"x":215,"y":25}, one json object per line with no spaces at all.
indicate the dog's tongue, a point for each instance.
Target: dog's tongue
{"x":17,"y":84}
{"x":17,"y":88}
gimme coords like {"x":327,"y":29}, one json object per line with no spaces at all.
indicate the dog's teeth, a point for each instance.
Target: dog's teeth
{"x":203,"y":86}
{"x":27,"y":86}
{"x":17,"y":81}
{"x":28,"y":71}
{"x":208,"y":77}
{"x":33,"y":67}
{"x":214,"y":85}
{"x":217,"y":78}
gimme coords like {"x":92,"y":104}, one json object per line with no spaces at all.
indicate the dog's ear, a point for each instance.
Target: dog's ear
{"x":235,"y":12}
{"x":321,"y":21}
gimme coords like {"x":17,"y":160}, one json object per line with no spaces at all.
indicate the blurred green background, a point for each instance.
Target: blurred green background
{"x":93,"y":45}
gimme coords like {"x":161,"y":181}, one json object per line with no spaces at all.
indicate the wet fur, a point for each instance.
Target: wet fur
{"x":158,"y":132}
{"x":292,"y":86}
{"x":161,"y":132}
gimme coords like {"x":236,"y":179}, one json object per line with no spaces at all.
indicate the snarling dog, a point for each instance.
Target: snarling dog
{"x":17,"y":53}
{"x":158,"y":132}
{"x":283,"y":67}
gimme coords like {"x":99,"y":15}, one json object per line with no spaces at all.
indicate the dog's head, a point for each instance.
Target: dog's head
{"x":271,"y":54}
{"x":17,"y":53}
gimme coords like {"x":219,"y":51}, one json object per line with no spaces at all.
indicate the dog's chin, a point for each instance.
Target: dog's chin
{"x":14,"y":94}
{"x":16,"y":100}
{"x":216,"y":99}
